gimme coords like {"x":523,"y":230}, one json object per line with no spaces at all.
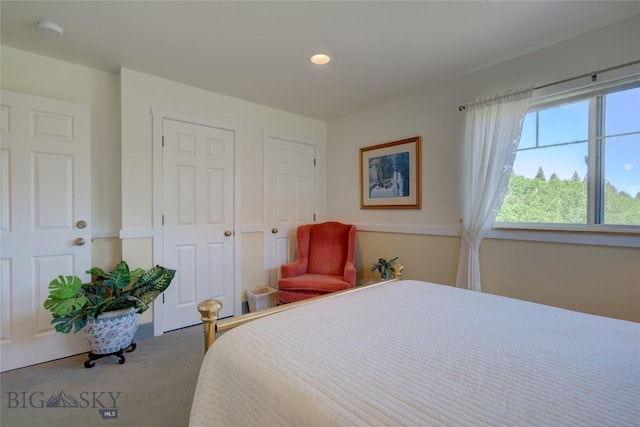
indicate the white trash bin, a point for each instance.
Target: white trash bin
{"x":262,"y":298}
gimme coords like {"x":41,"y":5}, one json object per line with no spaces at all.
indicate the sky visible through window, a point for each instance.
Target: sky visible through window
{"x":563,"y":146}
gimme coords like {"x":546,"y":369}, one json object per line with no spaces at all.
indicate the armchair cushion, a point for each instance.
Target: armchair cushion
{"x":314,"y":282}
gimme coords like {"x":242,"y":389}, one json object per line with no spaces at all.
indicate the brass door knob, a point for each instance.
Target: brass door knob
{"x":228,"y":233}
{"x":274,"y":230}
{"x":79,"y":241}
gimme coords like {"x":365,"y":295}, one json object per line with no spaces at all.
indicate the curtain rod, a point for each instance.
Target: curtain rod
{"x":592,"y":74}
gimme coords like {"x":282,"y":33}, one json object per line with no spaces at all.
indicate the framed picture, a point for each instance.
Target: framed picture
{"x":390,"y":175}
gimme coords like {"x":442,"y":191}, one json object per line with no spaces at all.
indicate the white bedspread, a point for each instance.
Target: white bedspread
{"x":416,"y":353}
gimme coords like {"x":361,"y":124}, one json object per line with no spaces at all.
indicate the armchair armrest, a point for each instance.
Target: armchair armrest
{"x":350,"y":273}
{"x":293,"y":269}
{"x":349,"y":266}
{"x":299,"y":266}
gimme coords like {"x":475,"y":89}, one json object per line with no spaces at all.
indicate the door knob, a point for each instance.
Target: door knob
{"x":228,"y":233}
{"x":274,"y":230}
{"x":81,"y":224}
{"x":79,"y":241}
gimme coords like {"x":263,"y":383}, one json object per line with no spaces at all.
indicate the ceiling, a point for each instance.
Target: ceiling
{"x":259,"y":51}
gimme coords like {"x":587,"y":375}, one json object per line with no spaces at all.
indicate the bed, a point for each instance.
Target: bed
{"x":416,"y":353}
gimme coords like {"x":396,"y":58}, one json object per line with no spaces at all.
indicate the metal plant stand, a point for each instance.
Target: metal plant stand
{"x":89,"y":363}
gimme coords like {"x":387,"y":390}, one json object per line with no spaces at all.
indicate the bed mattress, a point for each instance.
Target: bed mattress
{"x":417,"y":353}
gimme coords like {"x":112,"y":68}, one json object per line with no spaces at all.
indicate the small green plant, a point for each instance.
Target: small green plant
{"x":384,"y":267}
{"x":72,"y":302}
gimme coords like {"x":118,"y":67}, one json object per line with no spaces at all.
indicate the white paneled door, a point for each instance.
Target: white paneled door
{"x":290,"y":197}
{"x":198,"y":198}
{"x":45,"y":221}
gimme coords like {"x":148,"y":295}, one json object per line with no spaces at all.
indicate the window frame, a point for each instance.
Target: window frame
{"x":591,"y":232}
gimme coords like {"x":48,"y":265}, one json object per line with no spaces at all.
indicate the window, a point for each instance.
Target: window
{"x":578,"y":162}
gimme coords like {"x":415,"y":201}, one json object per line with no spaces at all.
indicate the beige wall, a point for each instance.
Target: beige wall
{"x":597,"y":279}
{"x":430,"y":258}
{"x":593,"y":279}
{"x":39,"y":75}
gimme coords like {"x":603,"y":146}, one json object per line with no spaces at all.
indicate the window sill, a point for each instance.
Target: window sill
{"x":601,"y":236}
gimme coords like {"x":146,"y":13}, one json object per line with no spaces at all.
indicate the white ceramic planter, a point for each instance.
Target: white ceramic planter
{"x":112,"y":331}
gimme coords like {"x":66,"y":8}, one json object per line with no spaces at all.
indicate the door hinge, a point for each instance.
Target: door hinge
{"x":163,"y":298}
{"x":163,"y":140}
{"x":314,"y":217}
{"x":314,"y":162}
{"x":162,"y":219}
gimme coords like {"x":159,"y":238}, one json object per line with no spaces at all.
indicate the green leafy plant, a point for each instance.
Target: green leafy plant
{"x":384,"y":267}
{"x":72,"y":302}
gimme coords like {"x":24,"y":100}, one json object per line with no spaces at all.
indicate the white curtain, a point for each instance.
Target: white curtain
{"x":493,"y":127}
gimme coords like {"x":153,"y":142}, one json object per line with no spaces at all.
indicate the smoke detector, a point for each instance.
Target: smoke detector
{"x":51,"y":28}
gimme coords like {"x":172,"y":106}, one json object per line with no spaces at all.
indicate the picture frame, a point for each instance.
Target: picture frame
{"x":390,"y":175}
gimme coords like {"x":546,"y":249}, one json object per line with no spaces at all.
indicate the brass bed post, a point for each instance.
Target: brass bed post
{"x":209,"y":310}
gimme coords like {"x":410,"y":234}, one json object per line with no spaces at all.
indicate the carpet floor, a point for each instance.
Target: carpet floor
{"x":154,"y":387}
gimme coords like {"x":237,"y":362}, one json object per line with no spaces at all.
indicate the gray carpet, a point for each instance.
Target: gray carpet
{"x":154,"y":387}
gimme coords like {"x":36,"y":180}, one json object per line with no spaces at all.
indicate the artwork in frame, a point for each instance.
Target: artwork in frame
{"x":390,"y":175}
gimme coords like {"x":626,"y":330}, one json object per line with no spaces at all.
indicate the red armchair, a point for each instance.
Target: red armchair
{"x":325,"y":262}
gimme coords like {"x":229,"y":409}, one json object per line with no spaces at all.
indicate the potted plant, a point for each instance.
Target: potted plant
{"x":107,"y":307}
{"x":384,"y":267}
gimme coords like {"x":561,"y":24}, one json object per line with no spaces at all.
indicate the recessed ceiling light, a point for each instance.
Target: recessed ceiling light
{"x":320,"y":59}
